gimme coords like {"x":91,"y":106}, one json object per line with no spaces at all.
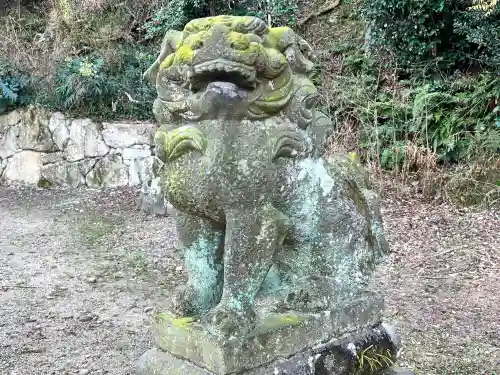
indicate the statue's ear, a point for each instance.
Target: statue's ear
{"x":151,"y":73}
{"x":289,"y":145}
{"x":168,"y":46}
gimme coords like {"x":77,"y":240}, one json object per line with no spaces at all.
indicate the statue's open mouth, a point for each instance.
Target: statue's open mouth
{"x":242,"y":75}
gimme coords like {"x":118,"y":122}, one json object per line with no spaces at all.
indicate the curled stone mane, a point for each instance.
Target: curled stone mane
{"x":270,"y":67}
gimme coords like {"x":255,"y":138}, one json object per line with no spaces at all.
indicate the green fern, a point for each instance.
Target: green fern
{"x":8,"y":91}
{"x":13,"y":87}
{"x":370,"y":359}
{"x":490,"y":140}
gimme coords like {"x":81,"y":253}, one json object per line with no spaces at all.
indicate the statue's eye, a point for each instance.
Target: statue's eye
{"x":289,"y":146}
{"x":178,"y":142}
{"x":197,"y":44}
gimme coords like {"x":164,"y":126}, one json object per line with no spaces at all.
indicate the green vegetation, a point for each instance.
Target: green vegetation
{"x":413,"y":86}
{"x":434,"y":34}
{"x":371,"y":359}
{"x":13,"y":88}
{"x":85,"y":85}
{"x":176,"y":13}
{"x":430,"y":120}
{"x":94,"y":230}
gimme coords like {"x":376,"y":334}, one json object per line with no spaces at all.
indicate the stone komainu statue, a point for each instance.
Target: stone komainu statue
{"x":266,"y":221}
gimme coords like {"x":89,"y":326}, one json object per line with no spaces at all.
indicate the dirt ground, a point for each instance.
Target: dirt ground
{"x":83,"y":272}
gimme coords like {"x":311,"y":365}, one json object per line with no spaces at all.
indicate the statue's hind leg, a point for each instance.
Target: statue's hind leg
{"x":202,"y":242}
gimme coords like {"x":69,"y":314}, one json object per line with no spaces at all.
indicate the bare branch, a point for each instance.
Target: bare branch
{"x":326,"y":9}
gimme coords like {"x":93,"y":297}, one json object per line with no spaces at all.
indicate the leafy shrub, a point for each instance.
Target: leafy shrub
{"x":132,"y":95}
{"x":454,"y":118}
{"x":445,"y":31}
{"x":14,"y":88}
{"x":81,"y":81}
{"x":481,"y":28}
{"x":281,"y":12}
{"x":414,"y":30}
{"x":93,"y":32}
{"x":175,"y":14}
{"x":94,"y":87}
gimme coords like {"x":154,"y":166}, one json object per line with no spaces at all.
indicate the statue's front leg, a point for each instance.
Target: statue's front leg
{"x":252,"y":238}
{"x":202,"y":242}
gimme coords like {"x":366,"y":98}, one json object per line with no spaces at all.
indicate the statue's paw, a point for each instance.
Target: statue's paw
{"x":227,"y":322}
{"x":184,"y":301}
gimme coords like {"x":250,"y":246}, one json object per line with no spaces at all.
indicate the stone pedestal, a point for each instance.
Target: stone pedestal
{"x":335,"y":342}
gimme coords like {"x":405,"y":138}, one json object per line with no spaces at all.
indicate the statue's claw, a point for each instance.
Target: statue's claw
{"x":184,"y":301}
{"x":228,"y":322}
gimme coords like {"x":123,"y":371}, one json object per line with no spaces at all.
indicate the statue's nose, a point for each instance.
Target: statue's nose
{"x":225,"y":99}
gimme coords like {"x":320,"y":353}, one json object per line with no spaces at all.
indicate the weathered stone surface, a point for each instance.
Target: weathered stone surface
{"x":34,"y":133}
{"x":3,"y":165}
{"x":26,"y":131}
{"x":24,"y":167}
{"x":124,"y":135}
{"x":68,"y":174}
{"x":151,"y":199}
{"x":136,"y":152}
{"x":140,"y":162}
{"x":158,"y":362}
{"x":110,"y":171}
{"x":139,"y":170}
{"x":343,"y":354}
{"x":8,"y":143}
{"x":266,"y":222}
{"x":10,"y":119}
{"x":398,"y":371}
{"x":52,"y":157}
{"x":69,"y":148}
{"x":277,"y":335}
{"x":85,"y":140}
{"x":59,"y":127}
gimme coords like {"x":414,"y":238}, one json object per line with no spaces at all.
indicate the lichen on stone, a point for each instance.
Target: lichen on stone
{"x":264,"y":216}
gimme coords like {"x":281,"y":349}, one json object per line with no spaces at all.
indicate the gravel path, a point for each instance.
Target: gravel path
{"x":442,"y":286}
{"x":82,"y":272}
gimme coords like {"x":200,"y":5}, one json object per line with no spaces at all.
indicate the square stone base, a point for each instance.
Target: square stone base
{"x":336,"y":357}
{"x":158,"y":362}
{"x":279,"y":341}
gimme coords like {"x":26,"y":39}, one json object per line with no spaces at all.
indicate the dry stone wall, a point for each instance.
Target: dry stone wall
{"x":38,"y":147}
